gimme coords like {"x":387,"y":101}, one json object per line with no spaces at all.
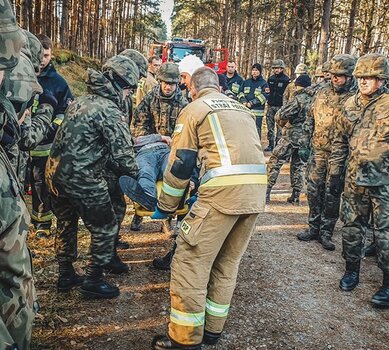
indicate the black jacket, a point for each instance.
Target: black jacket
{"x":277,"y":84}
{"x":234,"y":83}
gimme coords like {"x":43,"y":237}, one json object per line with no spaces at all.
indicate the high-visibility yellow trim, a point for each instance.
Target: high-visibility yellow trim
{"x":58,"y":121}
{"x":190,"y":319}
{"x":258,"y":94}
{"x":258,"y":113}
{"x":217,"y":310}
{"x":172,"y":191}
{"x":42,"y":217}
{"x":219,"y":139}
{"x":231,"y":180}
{"x":45,"y":153}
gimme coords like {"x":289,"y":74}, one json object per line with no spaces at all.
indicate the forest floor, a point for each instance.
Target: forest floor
{"x":287,"y":296}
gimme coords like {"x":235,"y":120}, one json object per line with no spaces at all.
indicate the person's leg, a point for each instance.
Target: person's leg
{"x":270,"y":128}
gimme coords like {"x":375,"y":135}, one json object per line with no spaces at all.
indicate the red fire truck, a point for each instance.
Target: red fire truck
{"x":176,"y":49}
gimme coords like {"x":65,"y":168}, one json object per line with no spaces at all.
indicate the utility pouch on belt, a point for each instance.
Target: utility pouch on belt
{"x":191,"y":226}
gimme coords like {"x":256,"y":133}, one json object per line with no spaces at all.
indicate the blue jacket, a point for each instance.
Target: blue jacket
{"x":234,"y":82}
{"x":255,"y":91}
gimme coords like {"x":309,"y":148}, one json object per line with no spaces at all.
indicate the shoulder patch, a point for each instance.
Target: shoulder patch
{"x":230,"y":104}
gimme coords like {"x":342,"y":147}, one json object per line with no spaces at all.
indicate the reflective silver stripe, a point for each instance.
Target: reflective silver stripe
{"x":237,"y":169}
{"x":220,"y":141}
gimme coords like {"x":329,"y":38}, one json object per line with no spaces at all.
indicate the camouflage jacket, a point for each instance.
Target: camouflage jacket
{"x":323,"y":115}
{"x":144,"y":86}
{"x":17,"y":292}
{"x":363,"y":140}
{"x":157,"y":114}
{"x":289,"y":92}
{"x":292,"y":116}
{"x":92,"y":137}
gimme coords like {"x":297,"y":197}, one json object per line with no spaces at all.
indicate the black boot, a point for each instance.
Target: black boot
{"x":308,"y":235}
{"x":94,"y":287}
{"x":268,"y":191}
{"x":381,"y":297}
{"x":294,"y":198}
{"x":135,"y":192}
{"x":327,"y":243}
{"x":210,"y":338}
{"x":122,"y":244}
{"x":371,"y":250}
{"x":162,"y":342}
{"x":350,"y":278}
{"x":116,"y":266}
{"x":165,"y":262}
{"x":136,"y":223}
{"x":68,"y":278}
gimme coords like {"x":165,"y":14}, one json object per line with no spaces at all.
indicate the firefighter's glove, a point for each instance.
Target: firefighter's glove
{"x":47,"y":97}
{"x":304,"y":154}
{"x":158,"y":215}
{"x":335,"y":185}
{"x":190,"y":201}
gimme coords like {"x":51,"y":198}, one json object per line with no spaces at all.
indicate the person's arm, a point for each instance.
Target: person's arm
{"x":241,"y":96}
{"x":182,"y":161}
{"x":261,"y":94}
{"x":143,"y":118}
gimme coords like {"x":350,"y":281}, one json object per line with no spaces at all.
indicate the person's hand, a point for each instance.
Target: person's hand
{"x":248,"y":105}
{"x":166,"y":139}
{"x":158,"y":215}
{"x":191,"y":185}
{"x":24,"y":116}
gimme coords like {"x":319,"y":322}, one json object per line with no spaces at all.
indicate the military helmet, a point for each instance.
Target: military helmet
{"x":11,"y":37}
{"x":139,"y":59}
{"x":326,"y":67}
{"x":278,"y":64}
{"x":36,"y":50}
{"x":342,"y":65}
{"x":169,"y":73}
{"x":301,"y":68}
{"x":125,"y":68}
{"x":319,"y":71}
{"x":372,"y":65}
{"x":22,"y":81}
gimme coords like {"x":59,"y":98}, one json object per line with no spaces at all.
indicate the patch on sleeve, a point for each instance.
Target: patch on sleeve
{"x":185,"y":227}
{"x":230,"y":104}
{"x":178,"y":128}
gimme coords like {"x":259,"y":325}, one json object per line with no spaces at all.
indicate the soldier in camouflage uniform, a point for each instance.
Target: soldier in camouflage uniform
{"x":93,"y":136}
{"x":362,"y":141}
{"x":290,"y":117}
{"x":153,"y":125}
{"x":17,"y":292}
{"x":146,"y":84}
{"x":325,"y":111}
{"x":301,"y":68}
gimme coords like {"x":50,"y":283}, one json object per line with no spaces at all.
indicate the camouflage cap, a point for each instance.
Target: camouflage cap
{"x":342,"y":65}
{"x":301,"y":68}
{"x":319,"y":71}
{"x":125,"y":68}
{"x":372,"y":65}
{"x":11,"y":37}
{"x":22,"y":81}
{"x":169,"y":73}
{"x":278,"y":64}
{"x":36,"y":50}
{"x":139,"y":59}
{"x":326,"y":67}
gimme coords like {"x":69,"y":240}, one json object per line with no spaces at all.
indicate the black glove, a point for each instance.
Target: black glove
{"x":47,"y":97}
{"x":335,"y":185}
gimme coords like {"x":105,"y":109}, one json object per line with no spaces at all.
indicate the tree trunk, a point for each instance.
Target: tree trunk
{"x":325,"y":31}
{"x":63,"y":34}
{"x":351,"y":25}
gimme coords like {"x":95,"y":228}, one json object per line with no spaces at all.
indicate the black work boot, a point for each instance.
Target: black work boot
{"x":268,"y":191}
{"x":350,"y":278}
{"x":122,"y":244}
{"x":327,"y":243}
{"x":165,"y":262}
{"x":94,"y":286}
{"x":308,"y":235}
{"x":210,"y":338}
{"x":381,"y":297}
{"x":294,"y":198}
{"x":136,"y":223}
{"x":162,"y":342}
{"x":68,"y":278}
{"x":371,"y":250}
{"x":135,"y":192}
{"x":116,"y":266}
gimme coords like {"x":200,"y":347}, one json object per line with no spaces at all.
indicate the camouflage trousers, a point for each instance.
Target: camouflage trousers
{"x":272,"y":137}
{"x":358,"y":205}
{"x":282,"y":153}
{"x":99,"y":218}
{"x":41,"y":211}
{"x":319,"y":204}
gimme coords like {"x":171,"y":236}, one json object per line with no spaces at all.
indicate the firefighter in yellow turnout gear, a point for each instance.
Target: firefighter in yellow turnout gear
{"x":215,"y":233}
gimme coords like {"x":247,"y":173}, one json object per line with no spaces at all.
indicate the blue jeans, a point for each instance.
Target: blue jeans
{"x":152,"y":163}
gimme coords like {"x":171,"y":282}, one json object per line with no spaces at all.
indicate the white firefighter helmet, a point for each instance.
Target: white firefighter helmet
{"x":189,"y":64}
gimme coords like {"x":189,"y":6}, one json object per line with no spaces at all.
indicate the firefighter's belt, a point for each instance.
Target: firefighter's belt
{"x":238,"y":174}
